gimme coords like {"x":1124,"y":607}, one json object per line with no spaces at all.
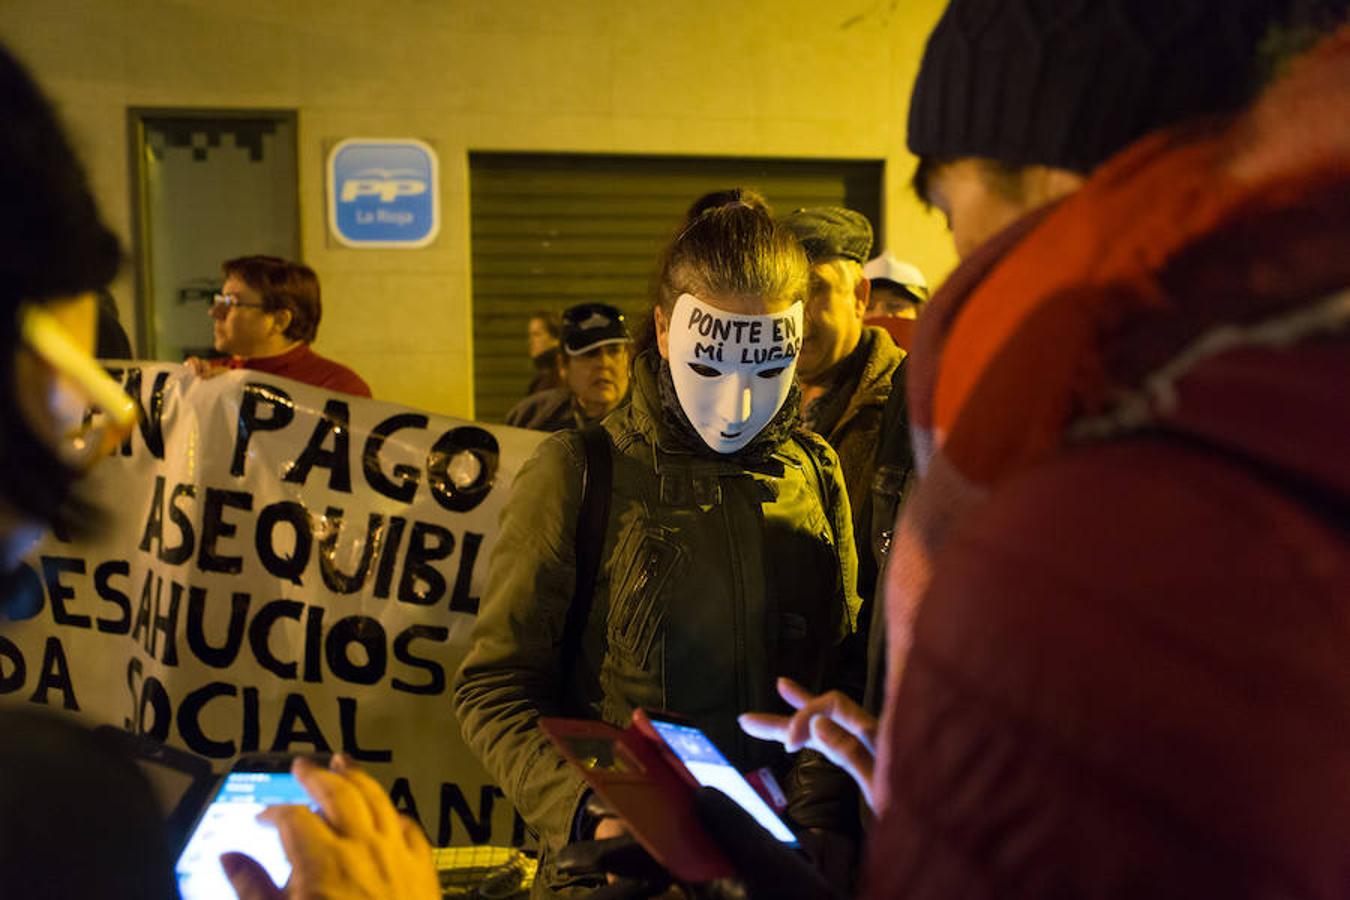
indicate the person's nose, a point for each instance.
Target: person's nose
{"x":217,"y":311}
{"x":734,"y":407}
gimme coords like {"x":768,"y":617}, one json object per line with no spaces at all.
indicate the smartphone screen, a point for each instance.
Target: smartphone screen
{"x":711,"y":769}
{"x":230,"y":824}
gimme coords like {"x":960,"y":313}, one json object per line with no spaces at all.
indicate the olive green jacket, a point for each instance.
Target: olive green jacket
{"x":714,"y":580}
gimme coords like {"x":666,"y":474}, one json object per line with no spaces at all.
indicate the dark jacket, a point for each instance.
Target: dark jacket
{"x":892,"y":477}
{"x":551,"y":410}
{"x":546,"y":376}
{"x":715,"y":579}
{"x":80,"y":819}
{"x":547,"y":410}
{"x":849,"y":418}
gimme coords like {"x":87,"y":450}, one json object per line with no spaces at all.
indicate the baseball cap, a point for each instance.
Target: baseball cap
{"x":590,"y":325}
{"x":900,"y":273}
{"x":831,"y":232}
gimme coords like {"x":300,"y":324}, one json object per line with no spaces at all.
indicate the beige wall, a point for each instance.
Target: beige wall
{"x":779,"y":78}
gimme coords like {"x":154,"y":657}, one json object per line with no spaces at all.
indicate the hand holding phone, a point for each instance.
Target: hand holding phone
{"x":344,"y":839}
{"x":648,"y":775}
{"x":711,"y":769}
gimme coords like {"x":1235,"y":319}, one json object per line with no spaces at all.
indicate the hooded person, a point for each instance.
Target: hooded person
{"x":79,"y":820}
{"x":727,"y":556}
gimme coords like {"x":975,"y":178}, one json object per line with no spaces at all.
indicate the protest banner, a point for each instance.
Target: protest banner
{"x":281,"y":569}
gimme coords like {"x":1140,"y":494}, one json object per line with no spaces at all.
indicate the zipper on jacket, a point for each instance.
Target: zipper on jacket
{"x":644,"y":576}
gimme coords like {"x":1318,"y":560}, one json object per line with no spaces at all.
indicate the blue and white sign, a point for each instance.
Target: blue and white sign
{"x":383,"y":193}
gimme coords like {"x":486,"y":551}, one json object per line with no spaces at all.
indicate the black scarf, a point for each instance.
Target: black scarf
{"x":686,"y":438}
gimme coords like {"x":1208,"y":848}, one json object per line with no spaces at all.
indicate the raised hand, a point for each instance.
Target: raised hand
{"x":828,"y":723}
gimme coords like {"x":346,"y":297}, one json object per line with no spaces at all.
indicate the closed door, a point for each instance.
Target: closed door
{"x":210,"y":186}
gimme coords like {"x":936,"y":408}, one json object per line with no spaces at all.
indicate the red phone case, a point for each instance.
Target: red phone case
{"x":653,"y":797}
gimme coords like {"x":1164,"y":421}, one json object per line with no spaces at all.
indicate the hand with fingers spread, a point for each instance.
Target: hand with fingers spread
{"x":360,"y":847}
{"x":828,"y":723}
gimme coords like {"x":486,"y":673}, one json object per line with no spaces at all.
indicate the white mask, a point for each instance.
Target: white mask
{"x":731,"y":373}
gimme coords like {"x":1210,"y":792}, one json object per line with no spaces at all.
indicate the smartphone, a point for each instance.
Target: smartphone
{"x":697,"y":753}
{"x":229,"y":823}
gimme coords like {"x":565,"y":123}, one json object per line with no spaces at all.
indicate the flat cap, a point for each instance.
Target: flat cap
{"x":831,"y":232}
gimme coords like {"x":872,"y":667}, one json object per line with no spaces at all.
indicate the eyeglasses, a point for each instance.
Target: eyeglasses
{"x":100,"y":413}
{"x":227,"y":302}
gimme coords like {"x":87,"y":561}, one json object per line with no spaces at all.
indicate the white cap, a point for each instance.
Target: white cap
{"x":887,"y":268}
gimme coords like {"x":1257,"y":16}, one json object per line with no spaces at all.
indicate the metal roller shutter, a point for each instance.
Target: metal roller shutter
{"x":549,"y":231}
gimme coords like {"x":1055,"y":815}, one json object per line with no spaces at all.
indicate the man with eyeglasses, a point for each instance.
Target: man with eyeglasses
{"x":594,"y":362}
{"x":265,"y":318}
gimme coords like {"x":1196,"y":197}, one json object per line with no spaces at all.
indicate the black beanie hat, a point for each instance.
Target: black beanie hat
{"x":1067,"y":83}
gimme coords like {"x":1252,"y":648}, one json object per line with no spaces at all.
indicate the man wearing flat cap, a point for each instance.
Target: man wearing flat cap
{"x":594,"y":365}
{"x":845,"y":367}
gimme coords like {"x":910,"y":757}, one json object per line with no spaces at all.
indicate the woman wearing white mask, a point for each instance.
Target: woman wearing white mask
{"x":727,"y":556}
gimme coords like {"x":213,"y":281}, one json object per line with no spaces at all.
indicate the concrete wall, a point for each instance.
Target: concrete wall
{"x":780,"y":78}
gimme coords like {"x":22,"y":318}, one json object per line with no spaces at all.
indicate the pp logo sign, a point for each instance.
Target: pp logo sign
{"x":383,"y":193}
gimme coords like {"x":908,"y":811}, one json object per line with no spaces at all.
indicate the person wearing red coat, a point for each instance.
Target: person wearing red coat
{"x":1119,"y":657}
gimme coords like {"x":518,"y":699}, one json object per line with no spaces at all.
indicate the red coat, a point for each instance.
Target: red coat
{"x":1130,"y":673}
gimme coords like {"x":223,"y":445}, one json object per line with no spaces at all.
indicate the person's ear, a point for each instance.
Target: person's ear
{"x":662,"y":322}
{"x":1046,"y":184}
{"x":281,"y":320}
{"x":862,"y":296}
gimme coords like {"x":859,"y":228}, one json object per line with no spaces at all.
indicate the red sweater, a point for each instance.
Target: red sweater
{"x":304,"y":365}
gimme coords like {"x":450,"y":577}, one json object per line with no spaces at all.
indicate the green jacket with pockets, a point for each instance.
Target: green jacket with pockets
{"x":714,"y":579}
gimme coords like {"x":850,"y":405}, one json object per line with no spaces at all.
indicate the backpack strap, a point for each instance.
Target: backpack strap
{"x":597,"y":482}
